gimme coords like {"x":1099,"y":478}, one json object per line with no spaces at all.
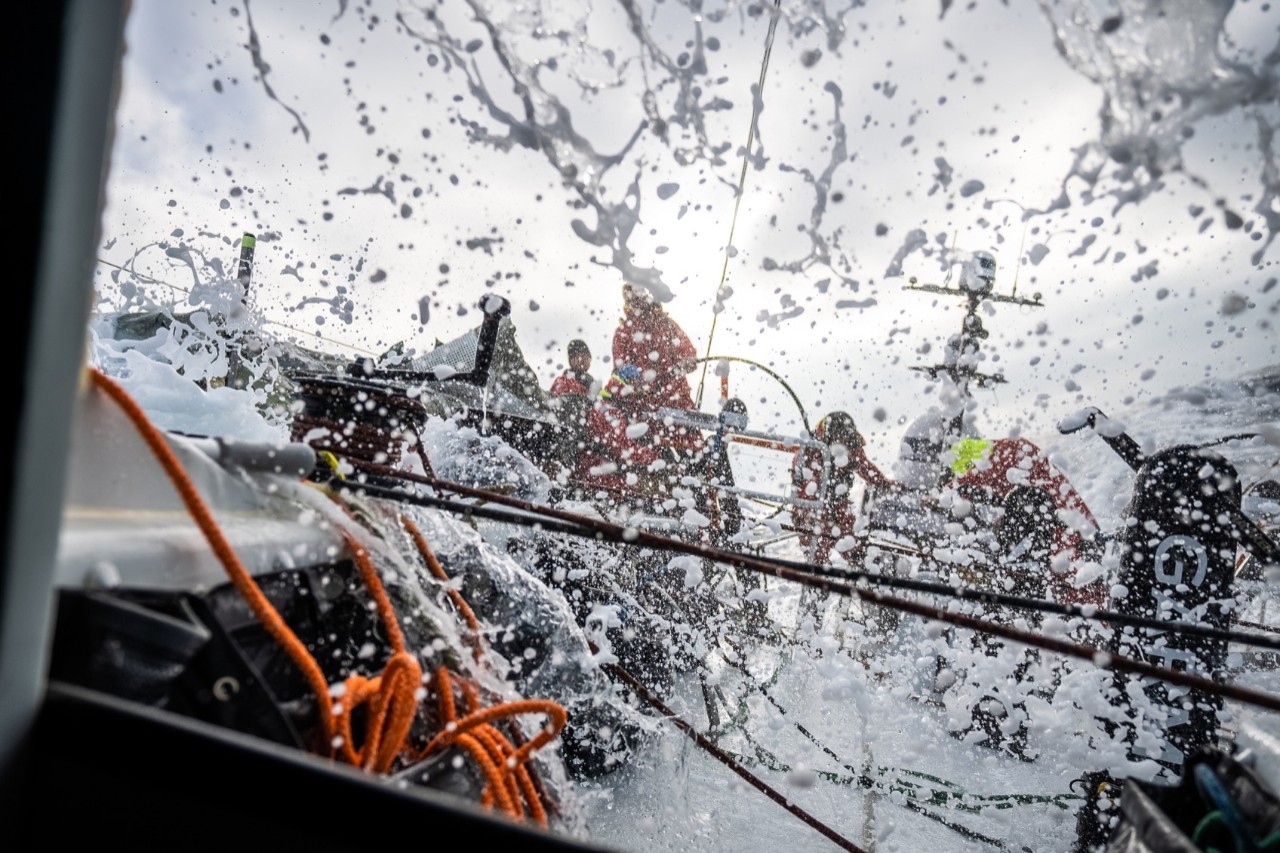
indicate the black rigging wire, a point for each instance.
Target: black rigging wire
{"x":559,"y":521}
{"x":1015,"y":601}
{"x":720,"y":755}
{"x":604,"y":530}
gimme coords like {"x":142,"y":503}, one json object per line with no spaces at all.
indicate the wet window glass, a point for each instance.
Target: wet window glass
{"x":801,"y":371}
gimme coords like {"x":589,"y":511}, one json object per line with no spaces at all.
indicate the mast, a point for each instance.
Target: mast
{"x":959,"y":363}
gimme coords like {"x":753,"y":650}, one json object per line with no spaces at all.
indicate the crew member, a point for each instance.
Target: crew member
{"x":1006,"y":471}
{"x":719,"y":472}
{"x":651,"y":340}
{"x":572,"y":395}
{"x":726,"y":512}
{"x":577,"y":378}
{"x":822,"y":529}
{"x":648,"y":338}
{"x":617,"y":457}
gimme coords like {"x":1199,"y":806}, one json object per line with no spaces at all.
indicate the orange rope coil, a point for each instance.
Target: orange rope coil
{"x":391,"y":697}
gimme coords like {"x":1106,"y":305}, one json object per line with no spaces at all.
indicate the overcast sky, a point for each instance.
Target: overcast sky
{"x":387,"y":162}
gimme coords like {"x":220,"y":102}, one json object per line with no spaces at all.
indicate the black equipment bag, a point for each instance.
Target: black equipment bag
{"x":1219,"y":804}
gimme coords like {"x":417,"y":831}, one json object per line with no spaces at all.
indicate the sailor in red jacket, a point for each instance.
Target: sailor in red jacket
{"x":617,"y":457}
{"x":572,"y":395}
{"x":823,"y":529}
{"x":998,"y":467}
{"x":648,"y":338}
{"x":576,"y":380}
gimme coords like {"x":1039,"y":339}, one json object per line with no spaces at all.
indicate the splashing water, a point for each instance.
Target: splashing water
{"x":1162,"y":70}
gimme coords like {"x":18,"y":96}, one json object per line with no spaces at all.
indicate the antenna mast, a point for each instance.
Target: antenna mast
{"x":961,"y":364}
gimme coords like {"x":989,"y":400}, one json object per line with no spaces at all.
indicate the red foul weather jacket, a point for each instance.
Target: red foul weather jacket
{"x":806,"y":475}
{"x":572,"y":382}
{"x":648,"y":338}
{"x":611,"y":454}
{"x":1014,"y":462}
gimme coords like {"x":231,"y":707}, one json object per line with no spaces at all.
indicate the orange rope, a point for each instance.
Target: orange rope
{"x":517,"y":760}
{"x":421,"y":449}
{"x":495,"y":792}
{"x":437,"y":570}
{"x":500,"y":712}
{"x":239,"y":575}
{"x":500,"y":749}
{"x":528,"y":783}
{"x":392,"y":695}
{"x":509,"y":783}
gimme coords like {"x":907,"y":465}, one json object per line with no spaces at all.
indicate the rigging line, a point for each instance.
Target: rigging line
{"x":706,"y":359}
{"x":864,"y":779}
{"x":981,"y":596}
{"x":809,"y":573}
{"x":914,"y":792}
{"x":971,"y":834}
{"x":725,"y":759}
{"x":937,"y":797}
{"x":756,"y":103}
{"x":595,"y":528}
{"x":467,"y":510}
{"x":1270,"y":629}
{"x":633,"y":536}
{"x":265,"y":322}
{"x":1017,"y":264}
{"x":770,"y":761}
{"x":1249,"y":488}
